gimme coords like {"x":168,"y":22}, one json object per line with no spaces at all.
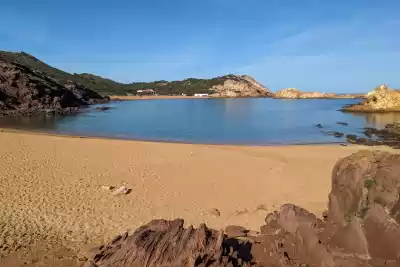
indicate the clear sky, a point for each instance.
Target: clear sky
{"x":324,"y":45}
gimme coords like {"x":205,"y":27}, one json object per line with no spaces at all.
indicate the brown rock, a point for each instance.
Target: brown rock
{"x":293,"y":93}
{"x":25,"y":91}
{"x":236,"y":231}
{"x":167,"y":243}
{"x":240,"y":86}
{"x":382,"y":99}
{"x":215,"y":212}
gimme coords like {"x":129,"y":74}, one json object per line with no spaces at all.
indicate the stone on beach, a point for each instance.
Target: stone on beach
{"x":108,"y":188}
{"x":215,"y":212}
{"x":123,"y":190}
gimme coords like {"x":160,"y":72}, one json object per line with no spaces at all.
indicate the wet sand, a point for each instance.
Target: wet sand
{"x":51,"y":192}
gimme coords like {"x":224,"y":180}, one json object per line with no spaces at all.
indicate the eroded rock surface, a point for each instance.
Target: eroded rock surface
{"x":295,"y":93}
{"x":360,"y":228}
{"x":25,"y":91}
{"x":382,"y":99}
{"x":239,"y":86}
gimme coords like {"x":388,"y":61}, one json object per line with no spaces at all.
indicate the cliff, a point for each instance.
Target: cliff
{"x":239,"y":86}
{"x":27,"y":91}
{"x":359,"y":229}
{"x":382,"y":99}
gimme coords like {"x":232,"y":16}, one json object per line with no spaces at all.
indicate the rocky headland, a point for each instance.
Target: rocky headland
{"x":26,"y":91}
{"x":359,"y":229}
{"x":382,"y":99}
{"x":239,"y":86}
{"x":293,"y":93}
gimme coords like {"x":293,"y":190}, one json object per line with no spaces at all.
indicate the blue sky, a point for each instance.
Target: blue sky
{"x":339,"y":46}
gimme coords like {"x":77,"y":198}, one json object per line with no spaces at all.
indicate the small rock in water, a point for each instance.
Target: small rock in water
{"x":351,"y":138}
{"x":215,"y":212}
{"x":318,"y":125}
{"x":335,"y":134}
{"x":338,"y":134}
{"x":103,"y":108}
{"x":342,"y":123}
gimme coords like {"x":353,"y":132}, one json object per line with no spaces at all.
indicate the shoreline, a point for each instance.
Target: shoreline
{"x":128,"y":98}
{"x":79,"y":136}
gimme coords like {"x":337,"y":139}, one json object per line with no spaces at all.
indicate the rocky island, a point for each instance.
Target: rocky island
{"x":239,"y":86}
{"x":293,"y":93}
{"x":382,"y":99}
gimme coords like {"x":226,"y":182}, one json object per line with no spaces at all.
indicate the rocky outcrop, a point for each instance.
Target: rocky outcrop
{"x":168,"y":243}
{"x":239,"y":86}
{"x":382,"y":99}
{"x":388,"y":136}
{"x":26,"y":91}
{"x":360,"y":229}
{"x":294,"y":93}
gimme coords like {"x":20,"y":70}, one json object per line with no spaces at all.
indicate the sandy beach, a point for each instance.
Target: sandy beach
{"x":51,"y":193}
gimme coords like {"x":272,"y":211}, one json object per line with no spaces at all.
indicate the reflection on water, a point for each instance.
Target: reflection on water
{"x":34,"y":122}
{"x":379,"y":120}
{"x":217,"y":121}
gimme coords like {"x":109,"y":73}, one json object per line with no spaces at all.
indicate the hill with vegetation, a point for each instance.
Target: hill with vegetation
{"x":109,"y":87}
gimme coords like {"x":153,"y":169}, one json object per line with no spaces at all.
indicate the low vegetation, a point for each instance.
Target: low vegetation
{"x":107,"y":86}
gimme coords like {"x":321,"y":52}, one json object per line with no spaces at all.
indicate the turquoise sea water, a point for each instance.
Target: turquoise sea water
{"x":251,"y":121}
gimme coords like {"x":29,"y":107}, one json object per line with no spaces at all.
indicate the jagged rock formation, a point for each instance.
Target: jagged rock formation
{"x":295,"y":93}
{"x":382,"y":99}
{"x":239,"y":86}
{"x":360,"y":229}
{"x":167,"y":243}
{"x":26,"y":91}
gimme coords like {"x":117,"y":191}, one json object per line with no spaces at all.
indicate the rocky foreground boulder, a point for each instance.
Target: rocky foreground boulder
{"x":26,"y":91}
{"x":360,"y":228}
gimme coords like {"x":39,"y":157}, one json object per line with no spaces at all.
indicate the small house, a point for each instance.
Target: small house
{"x":201,"y":95}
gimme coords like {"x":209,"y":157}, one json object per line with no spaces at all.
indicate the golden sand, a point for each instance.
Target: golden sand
{"x":51,"y":186}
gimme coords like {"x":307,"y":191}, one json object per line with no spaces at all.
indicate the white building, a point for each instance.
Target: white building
{"x":201,"y":95}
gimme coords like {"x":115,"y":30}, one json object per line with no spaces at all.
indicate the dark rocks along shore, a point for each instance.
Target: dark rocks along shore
{"x":25,"y":91}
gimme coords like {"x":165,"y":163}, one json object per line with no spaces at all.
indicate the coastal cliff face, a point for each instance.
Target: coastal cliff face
{"x":294,"y":93}
{"x":239,"y":86}
{"x":382,"y":99}
{"x":359,"y":229}
{"x":25,"y":91}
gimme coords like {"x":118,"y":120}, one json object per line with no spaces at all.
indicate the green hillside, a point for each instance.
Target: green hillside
{"x":107,"y":86}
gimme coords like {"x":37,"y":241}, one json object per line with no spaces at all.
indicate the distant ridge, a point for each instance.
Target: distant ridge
{"x":228,"y":85}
